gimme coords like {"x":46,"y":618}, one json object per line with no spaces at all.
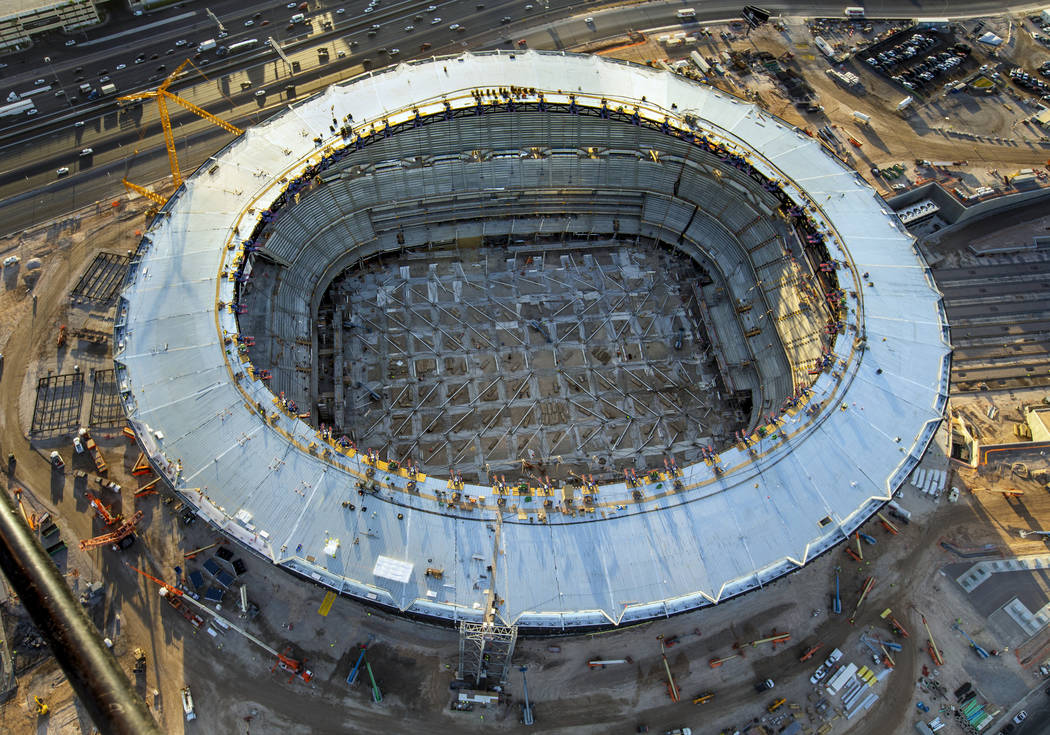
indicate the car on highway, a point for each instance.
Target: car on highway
{"x":409,"y":29}
{"x":340,"y":11}
{"x":455,"y":27}
{"x":249,"y":23}
{"x":103,"y":80}
{"x":431,"y":8}
{"x":435,"y":21}
{"x":87,"y":152}
{"x":62,"y":171}
{"x":395,"y":51}
{"x":376,"y":26}
{"x":260,"y":93}
{"x":369,"y":9}
{"x":40,"y":82}
{"x":182,"y":42}
{"x":71,"y":42}
{"x":505,"y":19}
{"x":223,"y":34}
{"x":291,"y":5}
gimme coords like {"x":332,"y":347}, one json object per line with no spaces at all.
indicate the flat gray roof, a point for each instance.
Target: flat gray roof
{"x":278,"y":487}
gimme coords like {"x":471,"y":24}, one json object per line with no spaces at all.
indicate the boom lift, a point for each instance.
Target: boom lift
{"x":162,"y":95}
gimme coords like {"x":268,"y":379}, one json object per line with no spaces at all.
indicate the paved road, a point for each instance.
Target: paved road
{"x":37,"y":148}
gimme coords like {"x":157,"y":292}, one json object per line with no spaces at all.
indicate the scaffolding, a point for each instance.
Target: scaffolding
{"x":485,"y":652}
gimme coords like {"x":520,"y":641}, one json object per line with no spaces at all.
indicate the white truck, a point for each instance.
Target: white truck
{"x":187,"y":704}
{"x":206,"y":45}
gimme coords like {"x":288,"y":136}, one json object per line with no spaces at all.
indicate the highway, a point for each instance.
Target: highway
{"x":34,"y":149}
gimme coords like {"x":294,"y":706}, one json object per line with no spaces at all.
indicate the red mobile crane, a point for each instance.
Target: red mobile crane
{"x":123,"y":533}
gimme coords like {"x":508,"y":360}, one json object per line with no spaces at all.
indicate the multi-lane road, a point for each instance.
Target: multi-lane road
{"x":32,"y":150}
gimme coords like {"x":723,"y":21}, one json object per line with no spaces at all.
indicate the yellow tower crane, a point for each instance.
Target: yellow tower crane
{"x":162,"y":95}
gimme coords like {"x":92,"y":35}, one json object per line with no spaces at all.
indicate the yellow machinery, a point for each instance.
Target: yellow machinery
{"x":41,"y":706}
{"x":162,"y":95}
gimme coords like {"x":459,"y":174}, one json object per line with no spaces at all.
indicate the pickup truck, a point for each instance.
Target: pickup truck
{"x":761,"y":686}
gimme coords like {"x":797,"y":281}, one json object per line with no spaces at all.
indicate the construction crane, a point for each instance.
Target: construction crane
{"x":121,"y":537}
{"x":162,"y":95}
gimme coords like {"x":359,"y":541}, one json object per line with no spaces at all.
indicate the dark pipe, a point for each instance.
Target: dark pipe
{"x":92,"y":670}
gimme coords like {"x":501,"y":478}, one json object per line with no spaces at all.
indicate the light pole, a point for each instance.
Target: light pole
{"x":51,"y":68}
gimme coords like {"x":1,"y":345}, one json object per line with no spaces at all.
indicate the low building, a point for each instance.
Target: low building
{"x":24,"y":19}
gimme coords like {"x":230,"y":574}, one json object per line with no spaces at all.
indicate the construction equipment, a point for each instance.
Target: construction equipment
{"x":716,"y":662}
{"x":777,"y":703}
{"x":888,"y":525}
{"x":775,"y":638}
{"x":142,"y":465}
{"x":867,"y":539}
{"x":935,"y":652}
{"x":294,"y":667}
{"x":122,"y":535}
{"x":96,"y":453}
{"x":174,"y":597}
{"x":1025,"y":533}
{"x":897,"y":628}
{"x":162,"y":96}
{"x":192,"y":554}
{"x":704,"y":698}
{"x":868,"y":584}
{"x":977,"y":649}
{"x":60,"y":341}
{"x":526,"y":709}
{"x":140,"y":661}
{"x":672,"y":688}
{"x":150,"y":488}
{"x":30,"y":518}
{"x":836,"y":604}
{"x":809,"y":654}
{"x":41,"y":706}
{"x":601,"y":663}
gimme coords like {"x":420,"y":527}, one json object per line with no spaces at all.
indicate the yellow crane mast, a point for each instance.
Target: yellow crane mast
{"x":162,"y":95}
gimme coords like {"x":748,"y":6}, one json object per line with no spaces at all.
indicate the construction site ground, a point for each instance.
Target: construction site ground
{"x":1002,"y":143}
{"x":236,"y":690}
